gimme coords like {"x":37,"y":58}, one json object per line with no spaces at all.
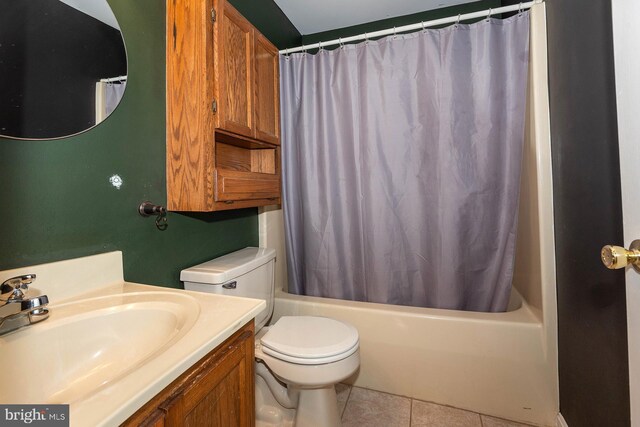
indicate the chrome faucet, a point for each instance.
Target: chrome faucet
{"x":16,"y":310}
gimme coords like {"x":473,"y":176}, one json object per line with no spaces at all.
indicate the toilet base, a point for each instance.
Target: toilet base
{"x":318,"y":408}
{"x":269,"y":413}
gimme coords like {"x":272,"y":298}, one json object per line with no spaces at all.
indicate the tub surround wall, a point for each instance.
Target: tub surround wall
{"x":534,"y":269}
{"x":527,"y":272}
{"x":271,"y":235}
{"x":58,"y":203}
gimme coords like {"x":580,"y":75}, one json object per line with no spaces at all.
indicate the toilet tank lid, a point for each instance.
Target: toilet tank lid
{"x":227,"y":267}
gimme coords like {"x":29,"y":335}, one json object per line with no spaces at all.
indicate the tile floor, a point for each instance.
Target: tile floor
{"x":361,"y":407}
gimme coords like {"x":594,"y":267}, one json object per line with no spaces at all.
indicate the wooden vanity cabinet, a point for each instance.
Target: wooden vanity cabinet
{"x":217,"y":391}
{"x":223,"y":120}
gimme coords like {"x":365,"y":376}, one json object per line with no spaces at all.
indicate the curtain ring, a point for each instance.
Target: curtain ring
{"x":320,"y":49}
{"x":304,"y":50}
{"x":520,"y":9}
{"x":457,"y":21}
{"x":366,"y":38}
{"x":489,"y":15}
{"x":423,"y":27}
{"x":286,"y":54}
{"x":395,"y":35}
{"x":341,"y":44}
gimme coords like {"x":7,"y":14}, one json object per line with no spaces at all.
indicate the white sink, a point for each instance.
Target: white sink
{"x":88,"y":344}
{"x":109,"y":346}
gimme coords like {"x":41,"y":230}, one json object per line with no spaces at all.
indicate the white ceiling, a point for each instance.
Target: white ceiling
{"x":314,"y":16}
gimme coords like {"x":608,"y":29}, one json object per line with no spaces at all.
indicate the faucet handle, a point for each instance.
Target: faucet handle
{"x":12,"y":289}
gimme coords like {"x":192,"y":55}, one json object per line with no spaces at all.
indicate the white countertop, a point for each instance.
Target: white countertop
{"x":91,"y":306}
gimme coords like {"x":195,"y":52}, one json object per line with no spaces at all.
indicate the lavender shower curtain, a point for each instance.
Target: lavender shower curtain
{"x":401,"y":166}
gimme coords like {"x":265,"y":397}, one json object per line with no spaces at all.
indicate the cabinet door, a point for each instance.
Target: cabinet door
{"x":234,"y":55}
{"x":223,"y":395}
{"x":217,"y":391}
{"x":267,"y":89}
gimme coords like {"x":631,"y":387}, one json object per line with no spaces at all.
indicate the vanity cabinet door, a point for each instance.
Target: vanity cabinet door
{"x":217,"y":391}
{"x":219,"y":396}
{"x":234,"y":69}
{"x":156,"y":419}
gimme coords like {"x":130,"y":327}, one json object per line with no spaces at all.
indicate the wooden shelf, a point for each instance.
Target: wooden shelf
{"x":235,"y":158}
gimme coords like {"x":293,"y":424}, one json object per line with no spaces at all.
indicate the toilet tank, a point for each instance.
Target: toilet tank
{"x":248,"y":272}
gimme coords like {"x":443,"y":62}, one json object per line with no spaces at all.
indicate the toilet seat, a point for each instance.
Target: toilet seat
{"x":310,"y":340}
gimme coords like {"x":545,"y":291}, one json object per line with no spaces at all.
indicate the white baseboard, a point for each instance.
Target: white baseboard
{"x":560,"y":422}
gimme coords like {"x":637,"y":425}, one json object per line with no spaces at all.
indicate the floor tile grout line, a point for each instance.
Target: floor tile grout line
{"x":411,"y":413}
{"x":346,"y":402}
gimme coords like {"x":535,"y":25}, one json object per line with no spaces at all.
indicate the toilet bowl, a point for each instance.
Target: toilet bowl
{"x":299,"y":359}
{"x":309,"y":351}
{"x":310,"y":355}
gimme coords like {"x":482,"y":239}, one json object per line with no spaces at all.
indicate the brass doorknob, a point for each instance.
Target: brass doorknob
{"x":614,"y":257}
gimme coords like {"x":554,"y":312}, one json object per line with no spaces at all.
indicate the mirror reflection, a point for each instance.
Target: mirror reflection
{"x":63,"y":67}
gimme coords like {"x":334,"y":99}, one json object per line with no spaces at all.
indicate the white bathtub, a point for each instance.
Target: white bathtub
{"x":492,"y":363}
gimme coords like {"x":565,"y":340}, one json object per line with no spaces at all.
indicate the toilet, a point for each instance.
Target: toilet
{"x":299,"y":359}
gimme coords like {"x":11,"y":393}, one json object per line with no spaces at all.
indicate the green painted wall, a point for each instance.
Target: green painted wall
{"x":399,"y":21}
{"x":56,"y":201}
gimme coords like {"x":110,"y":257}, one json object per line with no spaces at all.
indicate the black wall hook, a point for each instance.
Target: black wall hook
{"x":148,"y":209}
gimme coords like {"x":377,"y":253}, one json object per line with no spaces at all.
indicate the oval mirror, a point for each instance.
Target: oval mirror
{"x":63,"y":67}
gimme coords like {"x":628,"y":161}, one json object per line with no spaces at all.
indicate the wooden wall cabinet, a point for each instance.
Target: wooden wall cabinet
{"x":246,"y":89}
{"x":216,"y":391}
{"x":223,"y":121}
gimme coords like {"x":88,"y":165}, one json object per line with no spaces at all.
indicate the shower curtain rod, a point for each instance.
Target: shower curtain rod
{"x":114,"y":79}
{"x":413,"y":27}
